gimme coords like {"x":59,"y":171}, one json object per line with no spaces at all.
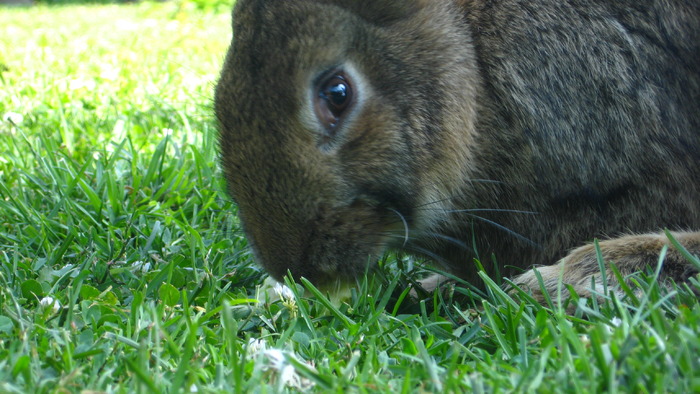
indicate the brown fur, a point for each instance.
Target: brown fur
{"x":630,"y":254}
{"x":511,"y":129}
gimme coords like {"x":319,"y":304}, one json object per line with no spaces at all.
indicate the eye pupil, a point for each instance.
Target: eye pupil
{"x":338,"y":95}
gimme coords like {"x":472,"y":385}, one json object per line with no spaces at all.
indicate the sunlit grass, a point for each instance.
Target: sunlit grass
{"x":123,"y":268}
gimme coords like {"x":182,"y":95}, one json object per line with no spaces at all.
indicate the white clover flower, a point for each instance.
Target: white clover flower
{"x":276,"y":358}
{"x":193,"y":388}
{"x":284,"y":293}
{"x":13,"y":117}
{"x":256,"y":346}
{"x":50,"y":302}
{"x":616,"y":321}
{"x":289,"y":377}
{"x":142,"y":266}
{"x":285,"y":371}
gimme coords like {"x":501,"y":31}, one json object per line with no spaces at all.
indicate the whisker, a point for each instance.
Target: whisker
{"x":470,"y":213}
{"x":477,"y":180}
{"x":474,"y":180}
{"x":405,"y":225}
{"x":492,"y":210}
{"x":507,"y":230}
{"x":433,"y":235}
{"x":425,"y":252}
{"x":432,"y":202}
{"x":452,"y":240}
{"x":500,"y":210}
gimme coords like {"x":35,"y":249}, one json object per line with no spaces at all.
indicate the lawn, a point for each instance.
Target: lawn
{"x":123,"y":267}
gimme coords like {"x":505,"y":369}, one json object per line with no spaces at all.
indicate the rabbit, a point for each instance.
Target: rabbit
{"x":512,"y":132}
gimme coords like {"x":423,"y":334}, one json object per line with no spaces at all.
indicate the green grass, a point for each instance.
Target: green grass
{"x":112,"y":205}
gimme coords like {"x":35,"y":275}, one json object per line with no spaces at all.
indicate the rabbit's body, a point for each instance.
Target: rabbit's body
{"x":507,"y":128}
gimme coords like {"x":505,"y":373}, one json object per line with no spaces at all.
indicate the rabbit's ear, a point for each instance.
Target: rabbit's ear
{"x":381,"y":12}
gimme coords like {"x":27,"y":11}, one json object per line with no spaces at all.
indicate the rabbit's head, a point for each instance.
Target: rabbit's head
{"x":346,"y":128}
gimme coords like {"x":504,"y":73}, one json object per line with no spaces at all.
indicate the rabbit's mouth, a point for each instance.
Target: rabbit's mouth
{"x":337,"y":245}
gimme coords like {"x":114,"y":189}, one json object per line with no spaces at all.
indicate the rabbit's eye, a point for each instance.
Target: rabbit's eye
{"x":335,"y":95}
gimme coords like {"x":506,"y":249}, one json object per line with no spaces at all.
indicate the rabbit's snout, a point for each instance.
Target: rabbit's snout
{"x":328,"y":245}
